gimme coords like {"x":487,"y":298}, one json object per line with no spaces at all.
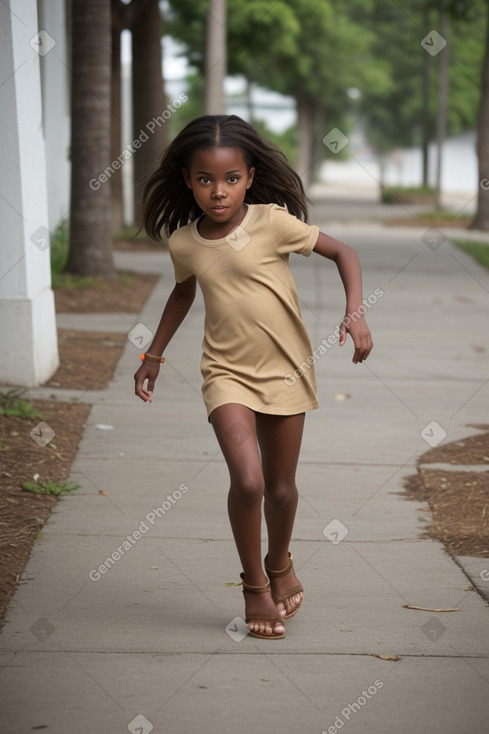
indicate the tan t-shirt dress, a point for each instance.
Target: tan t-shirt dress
{"x":254,"y":336}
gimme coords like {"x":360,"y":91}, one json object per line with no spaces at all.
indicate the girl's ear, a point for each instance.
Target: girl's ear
{"x":186,"y":176}
{"x":251,"y":173}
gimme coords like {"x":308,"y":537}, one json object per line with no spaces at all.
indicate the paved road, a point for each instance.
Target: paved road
{"x":140,"y":644}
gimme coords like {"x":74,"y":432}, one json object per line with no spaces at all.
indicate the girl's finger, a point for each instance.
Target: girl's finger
{"x":342,"y":334}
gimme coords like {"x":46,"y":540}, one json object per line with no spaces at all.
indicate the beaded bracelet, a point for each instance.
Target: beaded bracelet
{"x":151,"y":358}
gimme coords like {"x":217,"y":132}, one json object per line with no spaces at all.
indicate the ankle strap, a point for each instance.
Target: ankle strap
{"x":283,"y":572}
{"x":254,"y":589}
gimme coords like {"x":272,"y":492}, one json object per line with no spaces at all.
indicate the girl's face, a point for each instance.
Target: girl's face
{"x":219,"y":178}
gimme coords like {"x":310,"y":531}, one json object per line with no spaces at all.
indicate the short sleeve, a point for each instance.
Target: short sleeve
{"x":290,"y":234}
{"x":181,"y":272}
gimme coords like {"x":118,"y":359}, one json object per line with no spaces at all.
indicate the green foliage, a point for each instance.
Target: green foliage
{"x":12,"y":406}
{"x":71,"y":281}
{"x":478,"y":250}
{"x":286,"y":141}
{"x":60,"y":246}
{"x":395,"y":117}
{"x":46,"y":486}
{"x":318,"y":50}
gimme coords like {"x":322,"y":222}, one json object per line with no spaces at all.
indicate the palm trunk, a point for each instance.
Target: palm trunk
{"x":215,"y":58}
{"x":481,"y":219}
{"x":149,"y":114}
{"x":90,"y":239}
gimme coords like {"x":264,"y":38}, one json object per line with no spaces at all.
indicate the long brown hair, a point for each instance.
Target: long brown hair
{"x":167,"y":201}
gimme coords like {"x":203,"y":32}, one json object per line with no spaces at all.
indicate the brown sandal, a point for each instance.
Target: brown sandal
{"x":298,"y":589}
{"x":247,"y":589}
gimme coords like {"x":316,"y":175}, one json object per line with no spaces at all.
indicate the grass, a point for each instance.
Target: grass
{"x":437,"y":214}
{"x":60,"y":246}
{"x":478,"y":250}
{"x":131,"y":233}
{"x":60,"y":249}
{"x":71,"y":281}
{"x":46,"y":486}
{"x":392,"y":194}
{"x":13,"y":407}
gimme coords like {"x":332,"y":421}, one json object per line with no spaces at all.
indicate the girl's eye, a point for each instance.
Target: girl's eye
{"x":233,"y":179}
{"x":204,"y":180}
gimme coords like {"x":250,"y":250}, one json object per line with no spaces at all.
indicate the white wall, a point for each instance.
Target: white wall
{"x":403,"y":167}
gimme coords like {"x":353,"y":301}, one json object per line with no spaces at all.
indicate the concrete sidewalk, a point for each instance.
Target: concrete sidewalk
{"x":152,"y":641}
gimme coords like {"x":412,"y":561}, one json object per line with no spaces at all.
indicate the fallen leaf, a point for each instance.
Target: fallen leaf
{"x":101,"y":491}
{"x":388,"y":657}
{"x":231,"y":583}
{"x":428,"y":609}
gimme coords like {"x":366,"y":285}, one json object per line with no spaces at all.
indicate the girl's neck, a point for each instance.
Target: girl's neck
{"x":211,"y":230}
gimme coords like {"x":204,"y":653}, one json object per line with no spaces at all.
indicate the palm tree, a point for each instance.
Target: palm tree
{"x":148,"y":98}
{"x":90,"y":236}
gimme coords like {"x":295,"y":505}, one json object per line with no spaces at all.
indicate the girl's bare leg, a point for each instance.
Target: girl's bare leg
{"x":235,"y":429}
{"x":280,"y":439}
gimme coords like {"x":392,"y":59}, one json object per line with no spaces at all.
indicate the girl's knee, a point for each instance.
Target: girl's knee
{"x":280,"y":492}
{"x":248,"y":489}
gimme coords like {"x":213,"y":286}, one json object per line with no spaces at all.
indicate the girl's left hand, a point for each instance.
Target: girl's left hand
{"x":360,"y":333}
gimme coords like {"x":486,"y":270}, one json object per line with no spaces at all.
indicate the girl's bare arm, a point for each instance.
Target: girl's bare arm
{"x":348,"y":264}
{"x":176,"y":308}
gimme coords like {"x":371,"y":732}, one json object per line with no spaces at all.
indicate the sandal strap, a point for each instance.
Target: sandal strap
{"x":254,"y":589}
{"x":278,"y":574}
{"x":290,"y":592}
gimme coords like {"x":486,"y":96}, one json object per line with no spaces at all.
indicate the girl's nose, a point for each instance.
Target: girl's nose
{"x":218,"y":193}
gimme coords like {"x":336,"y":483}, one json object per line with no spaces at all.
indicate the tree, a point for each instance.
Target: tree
{"x":148,"y":97}
{"x":215,"y":58}
{"x":481,"y":219}
{"x":142,"y":18}
{"x":90,"y":238}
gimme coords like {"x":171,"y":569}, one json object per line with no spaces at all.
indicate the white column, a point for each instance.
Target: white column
{"x":28,"y":340}
{"x":55,"y":85}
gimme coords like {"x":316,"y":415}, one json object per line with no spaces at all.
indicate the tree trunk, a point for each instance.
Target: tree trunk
{"x":215,"y":58}
{"x":425,"y":114}
{"x":116,"y":121}
{"x":305,"y":142}
{"x":149,"y":113}
{"x":441,"y":120}
{"x":250,"y":103}
{"x":317,"y":142}
{"x":481,"y":219}
{"x":90,"y":240}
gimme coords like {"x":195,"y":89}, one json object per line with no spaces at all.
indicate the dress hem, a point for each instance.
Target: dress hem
{"x":302,"y":409}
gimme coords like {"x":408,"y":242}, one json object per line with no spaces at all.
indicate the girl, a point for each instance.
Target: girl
{"x":235,"y":210}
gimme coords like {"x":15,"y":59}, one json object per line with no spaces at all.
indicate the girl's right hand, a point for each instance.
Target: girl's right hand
{"x":147,"y":372}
